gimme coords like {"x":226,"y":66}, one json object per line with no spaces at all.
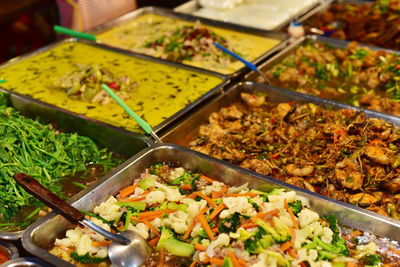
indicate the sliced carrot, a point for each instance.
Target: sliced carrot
{"x":205,"y":226}
{"x":189,"y":230}
{"x":101,"y":243}
{"x":193,"y":264}
{"x":192,"y":195}
{"x":152,"y":188}
{"x":151,"y":227}
{"x":186,"y":187}
{"x":215,"y":229}
{"x":355,"y":234}
{"x":248,"y":194}
{"x":132,"y":199}
{"x":200,"y":247}
{"x":292,"y":253}
{"x":162,"y":257}
{"x":242,"y":263}
{"x":302,"y":264}
{"x":217,"y":210}
{"x":153,"y":242}
{"x":268,"y":213}
{"x":209,"y":200}
{"x":155,"y":213}
{"x":206,"y":259}
{"x":285,"y":246}
{"x":290,"y":211}
{"x":223,"y":191}
{"x":127,"y":191}
{"x":248,"y":225}
{"x":351,"y":264}
{"x":214,"y":195}
{"x":208,"y":179}
{"x":233,"y":258}
{"x":217,"y":261}
{"x":135,"y":219}
{"x":396,"y":251}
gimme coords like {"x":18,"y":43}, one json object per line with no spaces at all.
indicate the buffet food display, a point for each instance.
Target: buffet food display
{"x":250,"y":13}
{"x":69,"y":75}
{"x":173,"y":38}
{"x":373,"y":23}
{"x":354,"y":74}
{"x":298,"y":168}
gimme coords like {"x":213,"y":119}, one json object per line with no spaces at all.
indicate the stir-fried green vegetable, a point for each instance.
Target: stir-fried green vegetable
{"x":36,"y":149}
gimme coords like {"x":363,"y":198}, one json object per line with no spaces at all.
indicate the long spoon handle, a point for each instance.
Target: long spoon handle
{"x":40,"y":192}
{"x":73,"y":33}
{"x":142,"y":123}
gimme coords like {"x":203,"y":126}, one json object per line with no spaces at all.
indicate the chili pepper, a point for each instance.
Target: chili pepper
{"x":275,"y":156}
{"x":113,"y":85}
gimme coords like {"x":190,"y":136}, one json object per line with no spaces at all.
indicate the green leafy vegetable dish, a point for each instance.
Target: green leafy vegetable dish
{"x":193,"y":220}
{"x":54,"y":159}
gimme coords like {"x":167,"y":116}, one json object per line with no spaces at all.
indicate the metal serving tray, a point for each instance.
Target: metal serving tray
{"x":52,"y":110}
{"x":283,"y":37}
{"x":42,"y":234}
{"x":121,"y":142}
{"x":187,"y":129}
{"x":192,"y":6}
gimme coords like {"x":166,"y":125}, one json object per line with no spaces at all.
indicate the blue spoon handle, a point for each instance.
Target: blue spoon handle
{"x":247,"y":63}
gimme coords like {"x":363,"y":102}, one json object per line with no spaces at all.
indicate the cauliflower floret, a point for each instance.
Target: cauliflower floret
{"x":309,"y":256}
{"x":278,"y":200}
{"x":109,"y":210}
{"x":154,"y":197}
{"x":138,"y":192}
{"x":363,"y":250}
{"x":172,"y":194}
{"x":307,"y":216}
{"x":214,"y":187}
{"x":285,"y":218}
{"x":237,"y":204}
{"x":156,"y":222}
{"x":95,"y":235}
{"x":177,"y":221}
{"x":193,"y":206}
{"x":304,"y":233}
{"x":196,"y":230}
{"x":85,"y":246}
{"x":221,"y":241}
{"x":72,"y":238}
{"x":141,"y":229}
{"x":102,"y":253}
{"x":176,"y":173}
{"x":327,"y":235}
{"x":258,"y":200}
{"x":261,"y":261}
{"x":238,"y":189}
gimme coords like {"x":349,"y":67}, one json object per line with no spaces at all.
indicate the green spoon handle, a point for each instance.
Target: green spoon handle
{"x":73,"y":33}
{"x":146,"y":127}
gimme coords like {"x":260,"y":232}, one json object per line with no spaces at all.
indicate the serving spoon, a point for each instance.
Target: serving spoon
{"x":126,"y":249}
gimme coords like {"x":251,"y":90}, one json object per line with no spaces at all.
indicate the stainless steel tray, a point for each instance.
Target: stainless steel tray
{"x":42,"y":234}
{"x":184,"y":132}
{"x":162,"y":125}
{"x":193,"y":6}
{"x":283,"y":37}
{"x":25,"y":262}
{"x":121,"y":142}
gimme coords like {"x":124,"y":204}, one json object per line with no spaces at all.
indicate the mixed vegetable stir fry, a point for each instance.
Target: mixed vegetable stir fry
{"x":375,"y":23}
{"x":193,"y":220}
{"x":85,"y":84}
{"x":47,"y":155}
{"x":356,"y":75}
{"x":338,"y":153}
{"x":191,"y":43}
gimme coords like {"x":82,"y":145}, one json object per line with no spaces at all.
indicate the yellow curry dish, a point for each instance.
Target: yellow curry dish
{"x":70,"y":74}
{"x":186,"y":42}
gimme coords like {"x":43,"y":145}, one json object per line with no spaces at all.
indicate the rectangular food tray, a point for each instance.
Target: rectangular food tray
{"x":282,"y":37}
{"x":194,"y":5}
{"x":121,"y":142}
{"x":42,"y":234}
{"x":47,"y":109}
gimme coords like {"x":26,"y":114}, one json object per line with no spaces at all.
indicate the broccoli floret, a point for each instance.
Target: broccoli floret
{"x":166,"y":233}
{"x":234,"y":221}
{"x":338,"y":248}
{"x":252,"y":242}
{"x":337,"y":242}
{"x":333,"y":223}
{"x":372,"y":260}
{"x":147,"y":183}
{"x":86,"y":259}
{"x":183,"y":179}
{"x":280,"y":232}
{"x":155,"y":168}
{"x":296,"y":206}
{"x":275,"y":191}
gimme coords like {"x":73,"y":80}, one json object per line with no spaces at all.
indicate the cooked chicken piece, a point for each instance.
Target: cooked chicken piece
{"x":300,"y":182}
{"x":393,"y":185}
{"x":252,"y":100}
{"x":257,"y":166}
{"x":377,"y":155}
{"x":291,"y":169}
{"x":363,"y":199}
{"x":231,"y":113}
{"x":283,"y":109}
{"x":348,"y":174}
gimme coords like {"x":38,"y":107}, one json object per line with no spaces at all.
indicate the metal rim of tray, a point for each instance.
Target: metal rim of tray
{"x":25,"y":261}
{"x":380,"y":221}
{"x":282,"y":37}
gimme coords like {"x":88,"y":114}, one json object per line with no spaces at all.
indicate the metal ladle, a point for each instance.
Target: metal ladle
{"x":126,"y":249}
